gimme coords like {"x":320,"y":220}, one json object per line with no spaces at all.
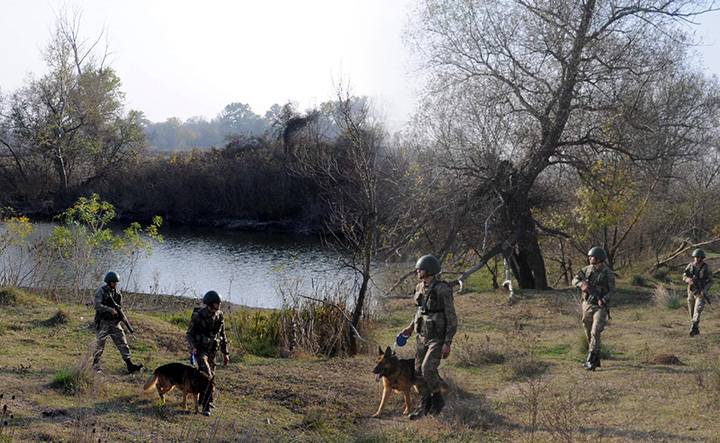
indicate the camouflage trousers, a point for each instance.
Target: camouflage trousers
{"x":696,"y":304}
{"x":428,"y":354}
{"x":594,"y":319}
{"x":206,"y":360}
{"x":117,"y":334}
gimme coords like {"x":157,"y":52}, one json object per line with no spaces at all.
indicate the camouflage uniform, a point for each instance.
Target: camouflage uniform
{"x":435,"y":325}
{"x":205,"y":333}
{"x":108,"y":324}
{"x":594,"y":316}
{"x":696,"y":300}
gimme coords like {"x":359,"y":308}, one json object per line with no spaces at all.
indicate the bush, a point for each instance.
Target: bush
{"x":638,"y":280}
{"x":60,"y":318}
{"x":661,"y":274}
{"x":523,"y":367}
{"x":9,"y":296}
{"x":667,"y":297}
{"x":468,"y":353}
{"x":72,"y":381}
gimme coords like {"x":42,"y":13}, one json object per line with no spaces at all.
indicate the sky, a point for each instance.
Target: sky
{"x":180,"y":58}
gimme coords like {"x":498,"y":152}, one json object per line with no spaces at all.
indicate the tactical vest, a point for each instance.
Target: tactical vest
{"x":597,"y":279}
{"x":701,"y":274}
{"x":206,"y":328}
{"x":430,"y":316}
{"x":107,"y":300}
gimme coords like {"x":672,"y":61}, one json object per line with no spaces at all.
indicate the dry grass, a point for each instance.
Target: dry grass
{"x":318,"y":399}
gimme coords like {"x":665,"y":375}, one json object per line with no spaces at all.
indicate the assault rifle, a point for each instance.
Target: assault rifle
{"x":595,"y":297}
{"x":699,"y":289}
{"x":122,"y":315}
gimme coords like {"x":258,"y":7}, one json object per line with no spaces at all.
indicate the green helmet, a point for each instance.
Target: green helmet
{"x":429,"y":264}
{"x":111,"y":277}
{"x":597,"y":252}
{"x":698,"y":253}
{"x":211,"y":297}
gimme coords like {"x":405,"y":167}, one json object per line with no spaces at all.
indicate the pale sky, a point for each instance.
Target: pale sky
{"x":191,"y":58}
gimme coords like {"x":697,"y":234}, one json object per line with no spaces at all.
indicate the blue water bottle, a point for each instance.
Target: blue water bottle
{"x":193,"y":360}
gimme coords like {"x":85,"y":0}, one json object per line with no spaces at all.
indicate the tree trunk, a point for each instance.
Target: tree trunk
{"x":528,"y":264}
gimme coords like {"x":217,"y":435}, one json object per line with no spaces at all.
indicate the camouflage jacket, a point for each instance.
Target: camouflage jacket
{"x":103,"y":303}
{"x":701,"y":274}
{"x":207,"y":330}
{"x":601,"y":279}
{"x":435,"y":318}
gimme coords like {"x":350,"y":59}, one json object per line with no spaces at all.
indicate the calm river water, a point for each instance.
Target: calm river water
{"x":249,"y":268}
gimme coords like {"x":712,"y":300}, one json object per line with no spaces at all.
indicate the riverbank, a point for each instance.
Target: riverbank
{"x":505,"y":359}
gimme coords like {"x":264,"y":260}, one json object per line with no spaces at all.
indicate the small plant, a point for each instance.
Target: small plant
{"x":638,"y":280}
{"x":60,"y":318}
{"x":72,"y":381}
{"x":667,"y":297}
{"x":468,"y":353}
{"x":9,"y":296}
{"x":6,"y":419}
{"x":661,"y":274}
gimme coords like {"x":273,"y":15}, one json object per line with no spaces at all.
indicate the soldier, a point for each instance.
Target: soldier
{"x":435,"y":323}
{"x":108,"y":300}
{"x":205,"y":333}
{"x":597,"y":284}
{"x":699,"y":278}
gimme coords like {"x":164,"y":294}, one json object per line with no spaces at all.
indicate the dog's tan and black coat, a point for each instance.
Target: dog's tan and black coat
{"x":186,"y":378}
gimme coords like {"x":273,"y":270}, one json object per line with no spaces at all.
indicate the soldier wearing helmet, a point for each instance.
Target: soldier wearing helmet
{"x":435,"y":323}
{"x":698,"y":277}
{"x":597,"y":285}
{"x":205,"y":335}
{"x":107,"y":323}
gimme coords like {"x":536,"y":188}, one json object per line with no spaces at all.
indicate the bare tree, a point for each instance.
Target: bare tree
{"x":520,"y":87}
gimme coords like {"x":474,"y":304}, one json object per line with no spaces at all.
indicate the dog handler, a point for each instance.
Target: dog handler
{"x":435,"y":323}
{"x":205,"y":333}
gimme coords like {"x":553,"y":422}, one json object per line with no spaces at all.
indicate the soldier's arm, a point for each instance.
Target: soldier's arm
{"x":709,"y":278}
{"x":223,"y":337}
{"x":99,"y":306}
{"x":611,"y":285}
{"x":451,"y":321}
{"x":687,"y":274}
{"x":190,"y":335}
{"x":579,"y":278}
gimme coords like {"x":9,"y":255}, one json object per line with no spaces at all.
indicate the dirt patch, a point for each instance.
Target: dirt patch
{"x":665,"y":359}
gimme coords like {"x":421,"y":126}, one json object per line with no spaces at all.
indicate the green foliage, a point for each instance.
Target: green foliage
{"x":60,"y":318}
{"x":667,"y":297}
{"x":257,"y":332}
{"x":180,"y":319}
{"x":638,"y":280}
{"x":662,"y":274}
{"x":9,"y":296}
{"x":72,"y":381}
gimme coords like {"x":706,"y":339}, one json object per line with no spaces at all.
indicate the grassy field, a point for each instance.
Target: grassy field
{"x":514,"y":372}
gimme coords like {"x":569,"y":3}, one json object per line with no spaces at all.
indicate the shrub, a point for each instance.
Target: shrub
{"x":60,"y":318}
{"x":9,"y":296}
{"x":72,"y":381}
{"x":667,"y":297}
{"x":638,"y":280}
{"x":469,"y":353}
{"x":523,"y":367}
{"x":661,"y":274}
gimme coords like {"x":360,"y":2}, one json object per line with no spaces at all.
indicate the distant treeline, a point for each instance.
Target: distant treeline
{"x":236,"y":119}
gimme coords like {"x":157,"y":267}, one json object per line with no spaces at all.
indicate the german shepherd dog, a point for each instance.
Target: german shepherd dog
{"x":397,"y":375}
{"x":187,"y":378}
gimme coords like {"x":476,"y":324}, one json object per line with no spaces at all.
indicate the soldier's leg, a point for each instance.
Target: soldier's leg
{"x":204,"y":362}
{"x":587,"y":320}
{"x":430,"y":366}
{"x":120,"y":340}
{"x":599,"y":321}
{"x":101,"y":336}
{"x":691,"y":304}
{"x":699,"y":306}
{"x":421,"y":350}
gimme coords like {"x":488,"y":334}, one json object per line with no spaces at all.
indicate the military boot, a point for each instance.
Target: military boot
{"x":96,"y":365}
{"x":588,"y":360}
{"x":593,"y":361}
{"x":132,"y":367}
{"x":423,"y":408}
{"x":695,"y":329}
{"x":437,"y":403}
